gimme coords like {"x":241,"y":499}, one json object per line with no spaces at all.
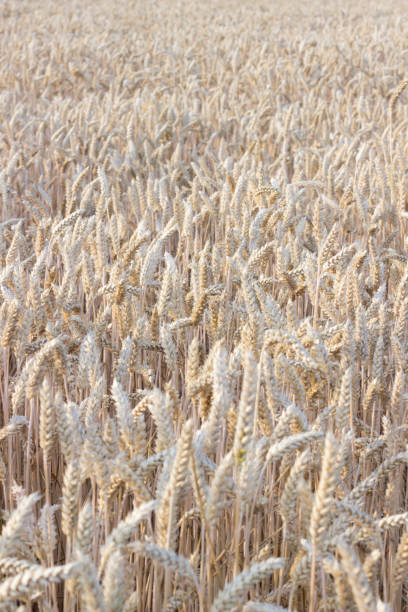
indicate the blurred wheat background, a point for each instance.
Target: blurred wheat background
{"x":203,"y":306}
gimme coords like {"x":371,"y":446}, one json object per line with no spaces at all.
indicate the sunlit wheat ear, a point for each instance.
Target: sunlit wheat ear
{"x":126,"y":425}
{"x":234,"y":592}
{"x":70,"y":497}
{"x":344,"y":400}
{"x":246,"y":408}
{"x":159,"y":409}
{"x":362,"y":593}
{"x":166,"y":290}
{"x":300,"y":571}
{"x":193,"y":365}
{"x":15,"y":535}
{"x":324,"y":495}
{"x":221,"y":398}
{"x":222,"y":486}
{"x":25,"y":584}
{"x":10,"y":327}
{"x":400,"y":568}
{"x":15,"y":424}
{"x":47,"y":531}
{"x":124,"y":361}
{"x":385,"y":468}
{"x":273,"y":395}
{"x":344,"y":595}
{"x":66,"y":436}
{"x":292,"y":443}
{"x":250,"y":481}
{"x":115,"y":587}
{"x":255,"y":606}
{"x":125,"y":530}
{"x":169,"y":503}
{"x":289,"y":496}
{"x":90,"y":592}
{"x":85,"y":530}
{"x":47,"y":419}
{"x":10,"y":566}
{"x":168,"y":559}
{"x":89,"y":364}
{"x":96,"y":456}
{"x":169,"y":348}
{"x":370,"y":565}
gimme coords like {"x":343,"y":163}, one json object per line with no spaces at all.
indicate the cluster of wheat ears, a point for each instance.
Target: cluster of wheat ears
{"x":203,"y":307}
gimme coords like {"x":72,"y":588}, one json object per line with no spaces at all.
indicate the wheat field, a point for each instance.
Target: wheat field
{"x":203,"y":306}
